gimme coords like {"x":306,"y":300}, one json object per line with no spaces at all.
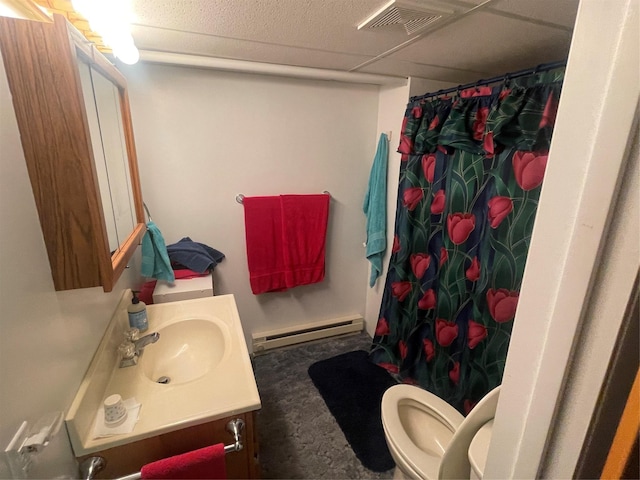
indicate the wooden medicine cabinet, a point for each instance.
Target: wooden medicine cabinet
{"x":75,"y":126}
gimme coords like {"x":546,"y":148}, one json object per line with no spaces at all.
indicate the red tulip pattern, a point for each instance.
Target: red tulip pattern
{"x":460,"y":226}
{"x":428,"y":300}
{"x":454,"y":373}
{"x":400,"y":290}
{"x":412,"y":197}
{"x":429,"y":349}
{"x":446,"y":332}
{"x":528,"y":168}
{"x":429,"y":166}
{"x":437,"y":205}
{"x":382,"y":328}
{"x":403,"y":349}
{"x":471,"y":171}
{"x":499,"y":209}
{"x":444,"y":256}
{"x":477,"y":333}
{"x":502,"y":304}
{"x":420,"y":263}
{"x":473,"y":272}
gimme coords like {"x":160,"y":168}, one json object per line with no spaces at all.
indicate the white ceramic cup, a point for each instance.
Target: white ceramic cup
{"x":114,"y":410}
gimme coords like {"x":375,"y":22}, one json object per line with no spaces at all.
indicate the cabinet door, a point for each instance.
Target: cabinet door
{"x":72,"y":110}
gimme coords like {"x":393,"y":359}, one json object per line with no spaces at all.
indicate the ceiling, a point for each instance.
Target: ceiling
{"x":478,"y":39}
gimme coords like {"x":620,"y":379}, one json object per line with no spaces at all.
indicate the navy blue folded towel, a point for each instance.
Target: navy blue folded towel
{"x":193,"y":255}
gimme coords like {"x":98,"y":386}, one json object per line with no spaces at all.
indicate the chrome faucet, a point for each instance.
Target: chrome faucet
{"x":140,"y":343}
{"x":131,"y":349}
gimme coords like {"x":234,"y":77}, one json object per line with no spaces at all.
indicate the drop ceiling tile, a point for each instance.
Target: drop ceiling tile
{"x":561,"y":12}
{"x":329,"y":25}
{"x":323,"y":34}
{"x":488,"y":43}
{"x":180,"y":42}
{"x":393,"y":66}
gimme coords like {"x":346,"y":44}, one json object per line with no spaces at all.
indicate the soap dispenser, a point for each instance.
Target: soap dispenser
{"x":138,"y":313}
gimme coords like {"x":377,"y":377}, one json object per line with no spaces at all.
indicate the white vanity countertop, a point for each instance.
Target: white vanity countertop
{"x":229,"y":388}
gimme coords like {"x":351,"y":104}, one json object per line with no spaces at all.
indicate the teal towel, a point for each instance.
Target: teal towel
{"x":155,"y":260}
{"x":375,"y":208}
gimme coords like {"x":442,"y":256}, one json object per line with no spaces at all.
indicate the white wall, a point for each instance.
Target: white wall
{"x":47,"y":338}
{"x":391,"y":107}
{"x":596,"y":340}
{"x":204,"y":136}
{"x":577,"y":212}
{"x":420,"y":86}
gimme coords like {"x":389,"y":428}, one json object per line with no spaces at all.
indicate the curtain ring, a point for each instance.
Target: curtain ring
{"x":506,"y":80}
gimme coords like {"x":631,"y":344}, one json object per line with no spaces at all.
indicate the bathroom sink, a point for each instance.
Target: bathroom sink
{"x":199,"y":371}
{"x":187,"y":350}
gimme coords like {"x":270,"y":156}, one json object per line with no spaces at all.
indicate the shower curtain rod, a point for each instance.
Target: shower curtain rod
{"x":507,"y":76}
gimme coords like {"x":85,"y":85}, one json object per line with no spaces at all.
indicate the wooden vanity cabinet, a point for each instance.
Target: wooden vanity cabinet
{"x":43,"y":62}
{"x":130,"y":458}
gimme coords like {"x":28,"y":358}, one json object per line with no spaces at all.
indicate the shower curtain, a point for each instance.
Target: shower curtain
{"x":471,"y":173}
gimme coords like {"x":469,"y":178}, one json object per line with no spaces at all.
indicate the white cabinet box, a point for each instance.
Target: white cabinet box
{"x":183,"y":289}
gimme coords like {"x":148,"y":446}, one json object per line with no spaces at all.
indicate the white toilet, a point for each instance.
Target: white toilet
{"x":427,"y":437}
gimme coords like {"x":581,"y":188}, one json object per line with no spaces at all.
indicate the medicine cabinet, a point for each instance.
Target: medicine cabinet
{"x":72,"y":110}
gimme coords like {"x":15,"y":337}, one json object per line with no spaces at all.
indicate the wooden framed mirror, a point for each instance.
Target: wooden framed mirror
{"x":75,"y":124}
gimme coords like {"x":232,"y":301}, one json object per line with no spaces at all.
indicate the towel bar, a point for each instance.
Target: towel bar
{"x":240,"y":197}
{"x":92,"y":465}
{"x":146,"y":209}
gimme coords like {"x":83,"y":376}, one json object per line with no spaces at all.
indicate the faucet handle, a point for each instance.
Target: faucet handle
{"x":132,"y":334}
{"x":127,"y":350}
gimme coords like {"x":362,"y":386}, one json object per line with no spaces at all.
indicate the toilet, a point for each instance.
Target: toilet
{"x":427,"y":437}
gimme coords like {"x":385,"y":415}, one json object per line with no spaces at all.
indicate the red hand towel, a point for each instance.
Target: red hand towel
{"x":304,"y":229}
{"x":204,"y":463}
{"x":263,"y":229}
{"x":146,"y":292}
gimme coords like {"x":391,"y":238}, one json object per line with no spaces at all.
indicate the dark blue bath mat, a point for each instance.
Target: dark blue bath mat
{"x":352,"y":388}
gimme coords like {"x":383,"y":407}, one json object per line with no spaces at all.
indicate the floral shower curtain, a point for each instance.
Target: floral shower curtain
{"x":470,"y":178}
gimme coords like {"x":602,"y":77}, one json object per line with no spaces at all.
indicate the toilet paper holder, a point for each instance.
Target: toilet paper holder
{"x":29,"y":441}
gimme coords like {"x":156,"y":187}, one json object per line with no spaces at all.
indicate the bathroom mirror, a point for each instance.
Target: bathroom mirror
{"x":75,"y":125}
{"x":102,"y":102}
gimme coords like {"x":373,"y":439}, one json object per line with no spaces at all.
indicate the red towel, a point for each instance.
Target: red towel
{"x":304,"y":220}
{"x":285,"y":240}
{"x":204,"y":463}
{"x":185,"y":273}
{"x":263,"y":230}
{"x":146,"y":292}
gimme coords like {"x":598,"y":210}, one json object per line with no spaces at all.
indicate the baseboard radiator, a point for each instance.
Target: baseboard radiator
{"x":283,"y":337}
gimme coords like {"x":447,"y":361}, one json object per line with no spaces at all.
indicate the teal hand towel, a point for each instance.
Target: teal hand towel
{"x":155,"y":259}
{"x":375,"y":208}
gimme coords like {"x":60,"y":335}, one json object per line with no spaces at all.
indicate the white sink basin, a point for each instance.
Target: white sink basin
{"x":201,"y":349}
{"x":185,"y":351}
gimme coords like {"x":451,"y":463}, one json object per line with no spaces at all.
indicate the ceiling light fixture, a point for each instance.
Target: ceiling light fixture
{"x":111,"y":19}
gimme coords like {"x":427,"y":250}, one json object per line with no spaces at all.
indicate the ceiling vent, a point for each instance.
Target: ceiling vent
{"x":413,"y":16}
